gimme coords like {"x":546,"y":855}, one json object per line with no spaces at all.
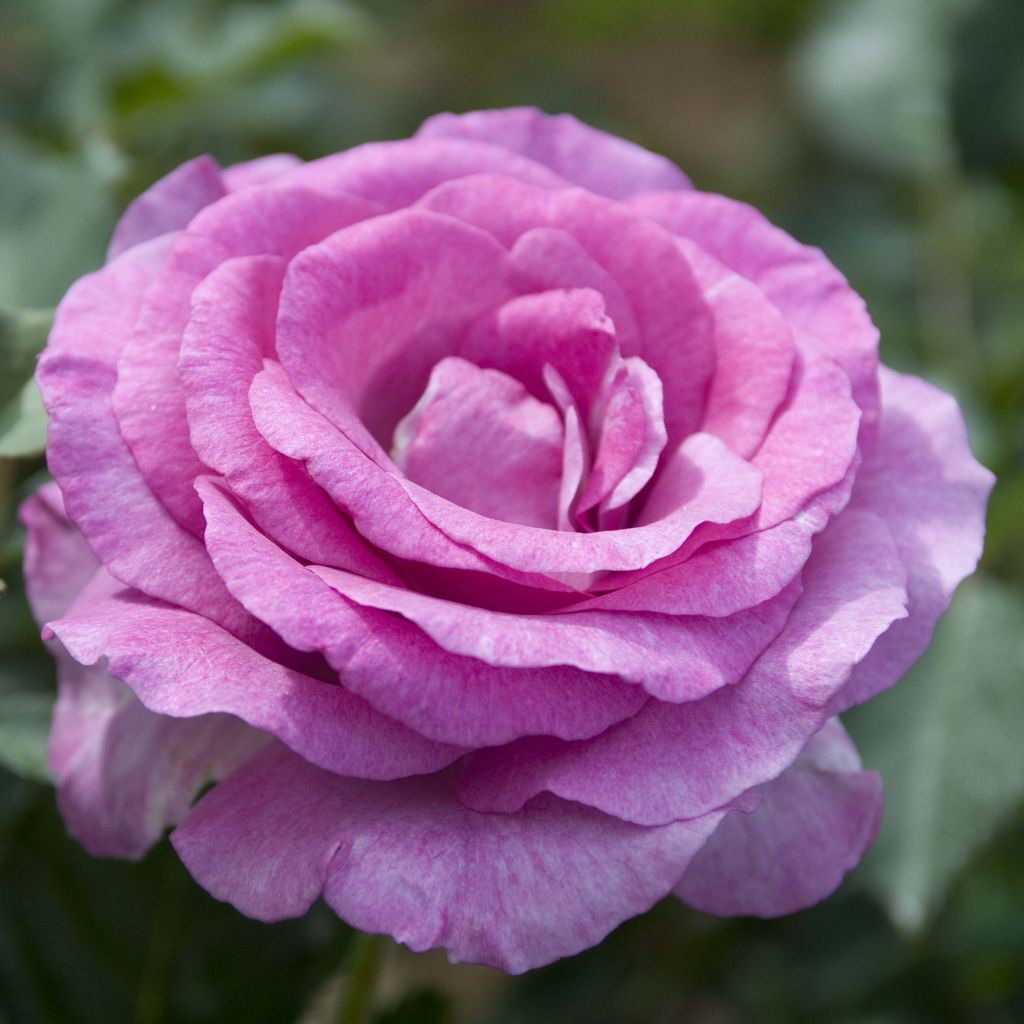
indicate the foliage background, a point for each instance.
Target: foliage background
{"x":889,"y":132}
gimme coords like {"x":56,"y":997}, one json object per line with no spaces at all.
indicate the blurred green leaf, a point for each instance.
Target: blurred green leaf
{"x":23,"y":423}
{"x":22,"y":417}
{"x":24,"y":726}
{"x":56,"y":212}
{"x":872,"y":75}
{"x":947,"y":742}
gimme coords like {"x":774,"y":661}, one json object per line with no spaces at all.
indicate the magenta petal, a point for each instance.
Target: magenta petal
{"x":812,"y":295}
{"x":567,"y":330}
{"x":278,"y":219}
{"x":182,"y":665}
{"x":258,"y":171}
{"x":394,"y":665}
{"x":366,"y":314}
{"x":719,"y":579}
{"x":586,"y":156}
{"x":754,"y":354}
{"x":708,"y":484}
{"x":123,"y":773}
{"x":479,"y":439}
{"x":674,"y":761}
{"x":230,"y":329}
{"x":675,"y":329}
{"x":169,"y":204}
{"x":88,"y":457}
{"x":58,"y":562}
{"x":813,"y":823}
{"x":407,"y":859}
{"x":673,"y":658}
{"x":921,"y":478}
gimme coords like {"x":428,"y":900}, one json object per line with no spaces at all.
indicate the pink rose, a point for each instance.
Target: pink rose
{"x":500,"y":523}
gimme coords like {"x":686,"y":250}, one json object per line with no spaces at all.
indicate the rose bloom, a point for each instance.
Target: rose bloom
{"x":499,"y":523}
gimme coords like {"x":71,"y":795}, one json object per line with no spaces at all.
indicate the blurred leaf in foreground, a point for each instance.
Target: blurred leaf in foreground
{"x":947,"y":741}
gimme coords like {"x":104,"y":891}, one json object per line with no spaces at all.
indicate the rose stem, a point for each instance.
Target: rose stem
{"x":356,"y":999}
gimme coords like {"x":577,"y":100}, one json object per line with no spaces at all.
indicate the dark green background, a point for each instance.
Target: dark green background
{"x":890,"y":133}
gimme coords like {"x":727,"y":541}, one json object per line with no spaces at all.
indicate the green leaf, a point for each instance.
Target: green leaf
{"x":23,"y":424}
{"x":24,"y":727}
{"x":947,"y":742}
{"x":22,"y":417}
{"x":872,"y":77}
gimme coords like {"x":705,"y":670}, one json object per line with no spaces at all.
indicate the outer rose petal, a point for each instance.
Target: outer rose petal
{"x":812,"y":295}
{"x":182,"y":665}
{"x":123,"y":773}
{"x":105,"y":494}
{"x":603,"y":163}
{"x":258,"y":171}
{"x":169,"y":204}
{"x":813,"y":823}
{"x":921,"y":478}
{"x":58,"y":562}
{"x":512,"y":891}
{"x":674,"y":761}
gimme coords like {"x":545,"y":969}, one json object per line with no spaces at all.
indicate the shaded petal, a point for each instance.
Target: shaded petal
{"x":812,"y":295}
{"x":123,"y":773}
{"x":58,"y":562}
{"x":230,"y":329}
{"x":586,"y":156}
{"x":673,"y":658}
{"x":479,"y":439}
{"x":394,"y":665}
{"x":182,"y":665}
{"x":169,"y":204}
{"x":105,"y":495}
{"x":921,"y":478}
{"x":674,"y":761}
{"x":675,"y":330}
{"x":148,"y":399}
{"x":812,"y":824}
{"x":513,"y":891}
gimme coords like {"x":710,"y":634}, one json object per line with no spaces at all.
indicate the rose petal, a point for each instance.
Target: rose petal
{"x":148,"y":399}
{"x":586,"y":156}
{"x":673,"y":658}
{"x":123,"y":773}
{"x":479,"y":439}
{"x":921,"y":478}
{"x":106,"y":497}
{"x":230,"y":329}
{"x":58,"y":562}
{"x":182,"y":665}
{"x":813,"y":823}
{"x":169,"y":204}
{"x":407,"y":859}
{"x":393,"y":664}
{"x":675,"y":327}
{"x":366,"y":314}
{"x":812,"y":295}
{"x":674,"y":761}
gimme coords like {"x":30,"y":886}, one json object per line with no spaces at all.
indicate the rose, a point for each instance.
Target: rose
{"x":499,"y":522}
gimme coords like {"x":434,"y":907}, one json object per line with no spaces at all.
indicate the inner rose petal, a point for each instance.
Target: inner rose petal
{"x":478,"y":438}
